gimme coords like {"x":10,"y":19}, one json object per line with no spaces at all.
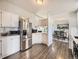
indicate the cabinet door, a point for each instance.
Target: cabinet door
{"x":14,"y":20}
{"x":4,"y":47}
{"x":36,"y":38}
{"x":6,"y":19}
{"x":7,"y":44}
{"x":13,"y":43}
{"x":16,"y":44}
{"x":0,"y":18}
{"x":45,"y":38}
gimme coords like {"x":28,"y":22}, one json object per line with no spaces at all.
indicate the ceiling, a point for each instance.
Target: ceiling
{"x":49,"y":7}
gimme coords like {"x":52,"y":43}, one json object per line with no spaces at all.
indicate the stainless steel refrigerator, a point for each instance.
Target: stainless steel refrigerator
{"x":25,"y":34}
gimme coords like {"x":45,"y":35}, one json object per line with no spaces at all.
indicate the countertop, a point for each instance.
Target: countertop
{"x":73,"y":38}
{"x":76,"y":40}
{"x":10,"y":35}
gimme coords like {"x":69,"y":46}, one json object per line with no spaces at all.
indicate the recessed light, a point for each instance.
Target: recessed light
{"x":40,"y":2}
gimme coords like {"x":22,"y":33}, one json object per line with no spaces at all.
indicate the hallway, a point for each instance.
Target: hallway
{"x":58,"y":50}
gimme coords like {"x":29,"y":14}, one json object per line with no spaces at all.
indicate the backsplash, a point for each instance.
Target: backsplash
{"x":2,"y":30}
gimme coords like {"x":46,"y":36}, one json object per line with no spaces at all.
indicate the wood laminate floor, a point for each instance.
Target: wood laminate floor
{"x":58,"y":50}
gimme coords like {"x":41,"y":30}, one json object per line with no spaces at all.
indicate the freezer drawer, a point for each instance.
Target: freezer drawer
{"x":26,"y":44}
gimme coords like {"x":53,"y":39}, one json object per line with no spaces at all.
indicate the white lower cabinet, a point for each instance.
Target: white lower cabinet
{"x":40,"y":38}
{"x":16,"y":44}
{"x":36,"y":38}
{"x":4,"y":46}
{"x":10,"y":45}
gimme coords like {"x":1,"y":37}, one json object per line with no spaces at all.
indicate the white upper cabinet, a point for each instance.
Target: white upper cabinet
{"x":6,"y":17}
{"x":43,"y":22}
{"x":0,"y":17}
{"x":9,"y":19}
{"x":14,"y":20}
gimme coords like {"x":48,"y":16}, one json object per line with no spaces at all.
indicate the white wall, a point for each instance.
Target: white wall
{"x":73,"y":24}
{"x":70,"y":18}
{"x":52,"y":25}
{"x":73,"y":28}
{"x":50,"y":30}
{"x":66,"y":18}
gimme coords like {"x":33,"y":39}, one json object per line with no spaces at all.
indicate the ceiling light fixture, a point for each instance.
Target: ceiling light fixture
{"x":40,"y":2}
